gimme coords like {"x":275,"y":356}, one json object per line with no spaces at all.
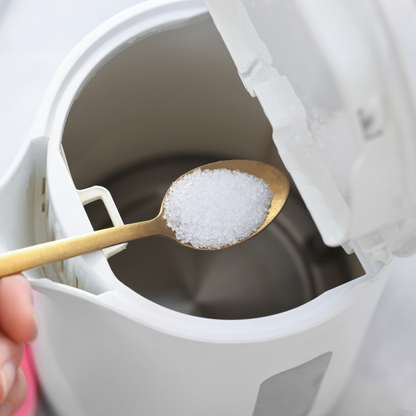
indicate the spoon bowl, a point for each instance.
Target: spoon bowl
{"x":274,"y":178}
{"x":42,"y":254}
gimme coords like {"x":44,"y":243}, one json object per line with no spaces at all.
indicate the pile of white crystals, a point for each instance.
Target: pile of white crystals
{"x":215,"y":208}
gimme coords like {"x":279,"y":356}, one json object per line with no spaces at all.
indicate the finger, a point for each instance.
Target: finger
{"x":17,"y":316}
{"x":11,"y":354}
{"x":17,"y":396}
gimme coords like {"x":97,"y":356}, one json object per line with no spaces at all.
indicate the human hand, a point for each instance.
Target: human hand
{"x":18,"y":325}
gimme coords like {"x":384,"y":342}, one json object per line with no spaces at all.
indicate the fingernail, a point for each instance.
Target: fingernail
{"x":5,"y":409}
{"x":36,"y":325}
{"x":36,"y":329}
{"x":8,"y":375}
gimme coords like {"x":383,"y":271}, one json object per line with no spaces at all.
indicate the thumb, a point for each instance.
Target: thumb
{"x":17,"y":316}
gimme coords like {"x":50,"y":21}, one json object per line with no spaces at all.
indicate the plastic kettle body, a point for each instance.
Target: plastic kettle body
{"x":104,"y":348}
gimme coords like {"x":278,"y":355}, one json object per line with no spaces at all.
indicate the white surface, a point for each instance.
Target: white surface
{"x":35,"y":37}
{"x":383,"y":382}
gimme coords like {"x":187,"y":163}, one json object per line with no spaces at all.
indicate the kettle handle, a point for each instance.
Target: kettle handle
{"x":95,"y":193}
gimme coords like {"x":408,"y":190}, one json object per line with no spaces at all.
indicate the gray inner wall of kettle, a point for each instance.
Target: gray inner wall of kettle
{"x":166,"y":104}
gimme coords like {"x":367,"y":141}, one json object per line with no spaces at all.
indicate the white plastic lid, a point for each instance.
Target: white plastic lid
{"x":337,"y":80}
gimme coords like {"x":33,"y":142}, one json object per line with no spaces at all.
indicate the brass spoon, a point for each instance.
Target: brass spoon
{"x":42,"y":254}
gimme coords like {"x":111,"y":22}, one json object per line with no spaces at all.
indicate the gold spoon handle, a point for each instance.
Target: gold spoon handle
{"x":42,"y":254}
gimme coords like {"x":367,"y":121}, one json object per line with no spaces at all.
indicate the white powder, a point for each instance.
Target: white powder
{"x":216,"y":208}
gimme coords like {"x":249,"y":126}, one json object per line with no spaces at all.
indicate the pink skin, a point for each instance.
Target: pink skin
{"x":17,"y":325}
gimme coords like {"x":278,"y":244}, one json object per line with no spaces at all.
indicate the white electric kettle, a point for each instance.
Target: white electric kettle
{"x":151,"y":91}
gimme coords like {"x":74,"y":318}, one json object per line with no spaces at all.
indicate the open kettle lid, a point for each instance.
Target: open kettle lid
{"x":337,"y":81}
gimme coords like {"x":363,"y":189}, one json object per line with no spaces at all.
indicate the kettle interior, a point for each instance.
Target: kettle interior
{"x":160,"y":107}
